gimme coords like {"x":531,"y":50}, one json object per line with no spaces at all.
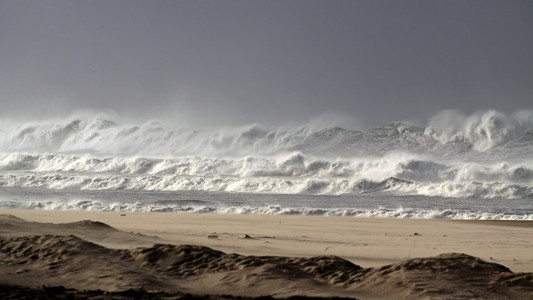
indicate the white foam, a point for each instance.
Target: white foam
{"x":448,"y":133}
{"x":488,"y":155}
{"x":268,"y":184}
{"x":483,"y":130}
{"x":381,"y":212}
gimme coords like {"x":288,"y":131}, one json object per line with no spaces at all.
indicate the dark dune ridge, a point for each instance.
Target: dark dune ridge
{"x":52,"y":260}
{"x":18,"y":292}
{"x":93,"y":231}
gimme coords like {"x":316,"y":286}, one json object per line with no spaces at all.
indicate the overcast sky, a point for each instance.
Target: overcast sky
{"x":266,"y":61}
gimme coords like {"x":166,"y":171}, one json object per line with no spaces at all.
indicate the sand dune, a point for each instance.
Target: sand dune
{"x":31,"y":260}
{"x":94,"y":231}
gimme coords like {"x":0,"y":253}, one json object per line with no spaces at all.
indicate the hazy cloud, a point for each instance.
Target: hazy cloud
{"x":265,"y":61}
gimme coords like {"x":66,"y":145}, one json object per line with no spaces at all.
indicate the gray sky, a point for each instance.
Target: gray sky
{"x":266,"y":61}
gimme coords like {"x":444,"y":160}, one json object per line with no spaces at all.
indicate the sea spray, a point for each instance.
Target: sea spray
{"x":487,"y":155}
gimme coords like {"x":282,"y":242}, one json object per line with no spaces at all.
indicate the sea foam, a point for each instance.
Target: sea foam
{"x":487,"y":155}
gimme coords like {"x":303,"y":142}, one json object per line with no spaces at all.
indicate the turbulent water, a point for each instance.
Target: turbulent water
{"x":466,"y":167}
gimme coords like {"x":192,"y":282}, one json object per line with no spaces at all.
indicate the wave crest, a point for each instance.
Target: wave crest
{"x":448,"y":133}
{"x":483,"y":130}
{"x":380,"y":212}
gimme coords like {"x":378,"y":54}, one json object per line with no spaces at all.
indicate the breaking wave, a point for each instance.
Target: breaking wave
{"x":487,"y":155}
{"x":448,"y":133}
{"x":484,"y":130}
{"x":380,"y":212}
{"x":292,"y":173}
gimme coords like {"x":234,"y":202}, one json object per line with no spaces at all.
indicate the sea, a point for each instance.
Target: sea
{"x":455,"y":166}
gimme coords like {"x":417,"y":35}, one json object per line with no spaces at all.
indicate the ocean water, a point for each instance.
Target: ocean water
{"x":457,"y":167}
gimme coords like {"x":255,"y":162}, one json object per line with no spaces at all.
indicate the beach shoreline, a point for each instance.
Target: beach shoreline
{"x":265,"y":255}
{"x":369,"y":242}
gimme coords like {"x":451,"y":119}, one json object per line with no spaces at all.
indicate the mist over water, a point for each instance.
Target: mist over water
{"x":441,"y":169}
{"x":449,"y":133}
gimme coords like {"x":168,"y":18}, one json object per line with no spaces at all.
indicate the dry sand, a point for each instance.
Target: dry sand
{"x":279,"y":256}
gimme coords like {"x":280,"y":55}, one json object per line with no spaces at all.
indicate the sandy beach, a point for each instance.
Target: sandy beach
{"x":238,"y":150}
{"x":260,"y":255}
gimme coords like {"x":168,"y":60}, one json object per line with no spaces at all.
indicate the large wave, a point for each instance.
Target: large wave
{"x":483,"y":130}
{"x":485,"y":155}
{"x":295,"y":173}
{"x":449,"y":133}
